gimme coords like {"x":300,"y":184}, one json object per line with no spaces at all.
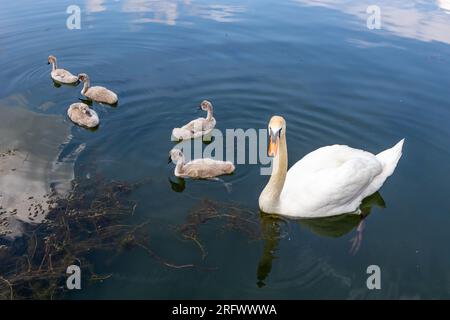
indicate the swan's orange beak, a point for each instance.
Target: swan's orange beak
{"x":273,"y":145}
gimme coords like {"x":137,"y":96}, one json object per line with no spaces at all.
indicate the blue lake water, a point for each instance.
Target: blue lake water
{"x":317,"y":64}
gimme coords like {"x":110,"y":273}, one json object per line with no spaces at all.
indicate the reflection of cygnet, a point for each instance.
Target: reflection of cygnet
{"x":199,"y":168}
{"x":82,"y":115}
{"x":198,"y":127}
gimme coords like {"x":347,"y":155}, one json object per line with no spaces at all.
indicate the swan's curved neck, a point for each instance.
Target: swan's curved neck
{"x":86,"y":85}
{"x":210,"y":113}
{"x":54,"y":67}
{"x":270,"y":196}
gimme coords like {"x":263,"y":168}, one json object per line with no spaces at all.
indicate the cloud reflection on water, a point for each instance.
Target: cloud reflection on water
{"x":36,"y":167}
{"x":93,"y":6}
{"x":169,"y":12}
{"x":444,"y":5}
{"x":419,"y":19}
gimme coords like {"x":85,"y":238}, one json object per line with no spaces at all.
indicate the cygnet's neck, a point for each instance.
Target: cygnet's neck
{"x":86,"y":85}
{"x":209,"y":116}
{"x":179,"y":166}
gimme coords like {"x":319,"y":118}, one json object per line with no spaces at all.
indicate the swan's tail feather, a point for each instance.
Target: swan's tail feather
{"x":390,"y":157}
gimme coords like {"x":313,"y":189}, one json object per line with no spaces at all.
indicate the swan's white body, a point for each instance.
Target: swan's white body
{"x":82,"y":115}
{"x":328,"y":181}
{"x":61,"y":75}
{"x":198,"y":127}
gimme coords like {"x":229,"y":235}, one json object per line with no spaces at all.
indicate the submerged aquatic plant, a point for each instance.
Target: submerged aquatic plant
{"x":92,"y":217}
{"x":233,"y":217}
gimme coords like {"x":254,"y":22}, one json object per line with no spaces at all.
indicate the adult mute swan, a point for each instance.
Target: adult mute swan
{"x":198,"y":127}
{"x":61,"y":75}
{"x":82,"y":115}
{"x":199,"y":168}
{"x":99,"y":94}
{"x":329,"y":181}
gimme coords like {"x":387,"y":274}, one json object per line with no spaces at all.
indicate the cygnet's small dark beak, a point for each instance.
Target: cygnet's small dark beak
{"x":170,"y":159}
{"x":48,"y":62}
{"x":200,"y":107}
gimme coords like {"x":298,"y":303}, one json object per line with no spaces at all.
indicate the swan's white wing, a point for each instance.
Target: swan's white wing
{"x":330,"y":180}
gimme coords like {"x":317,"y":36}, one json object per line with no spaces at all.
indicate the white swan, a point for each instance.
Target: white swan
{"x":328,"y":181}
{"x":199,"y":168}
{"x":61,"y":75}
{"x":82,"y":115}
{"x":99,"y":94}
{"x":198,"y":127}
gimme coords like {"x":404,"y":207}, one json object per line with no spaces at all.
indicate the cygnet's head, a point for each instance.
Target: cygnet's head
{"x":206,"y":105}
{"x":175,"y":155}
{"x":83,"y":77}
{"x":85,"y":109}
{"x":51,"y":59}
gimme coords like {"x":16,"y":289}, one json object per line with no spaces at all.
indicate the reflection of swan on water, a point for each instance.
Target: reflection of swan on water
{"x":271,"y":232}
{"x":338,"y":226}
{"x":332,"y":227}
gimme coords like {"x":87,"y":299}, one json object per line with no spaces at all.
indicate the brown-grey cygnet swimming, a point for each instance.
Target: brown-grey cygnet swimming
{"x":198,"y":127}
{"x":199,"y":168}
{"x":61,"y":75}
{"x":96,"y":93}
{"x":82,"y":115}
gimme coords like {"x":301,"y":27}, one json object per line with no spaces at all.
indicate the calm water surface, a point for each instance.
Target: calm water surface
{"x":314,"y":62}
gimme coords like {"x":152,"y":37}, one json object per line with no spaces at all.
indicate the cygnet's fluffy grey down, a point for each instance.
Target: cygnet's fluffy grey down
{"x":82,"y":115}
{"x":199,"y":168}
{"x":198,"y":127}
